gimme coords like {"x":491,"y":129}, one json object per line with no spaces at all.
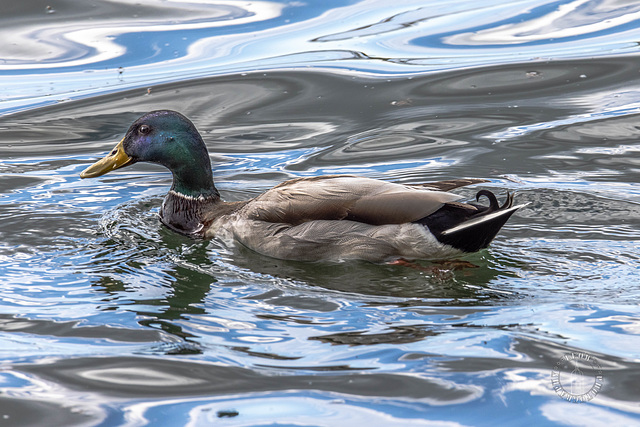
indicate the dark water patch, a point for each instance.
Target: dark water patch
{"x":120,"y":377}
{"x":23,"y":412}
{"x":398,"y":335}
{"x":74,"y":329}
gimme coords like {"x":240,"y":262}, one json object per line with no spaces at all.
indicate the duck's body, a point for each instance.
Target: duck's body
{"x":334,"y":217}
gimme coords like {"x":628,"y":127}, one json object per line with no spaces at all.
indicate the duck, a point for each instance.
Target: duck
{"x":319,"y":218}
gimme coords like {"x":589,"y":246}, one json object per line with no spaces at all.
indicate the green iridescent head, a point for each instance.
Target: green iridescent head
{"x":167,"y":138}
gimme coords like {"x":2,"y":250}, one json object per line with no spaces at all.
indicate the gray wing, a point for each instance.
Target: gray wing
{"x":345,"y":197}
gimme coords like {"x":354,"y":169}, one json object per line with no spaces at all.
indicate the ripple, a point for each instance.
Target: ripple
{"x":578,"y":19}
{"x":114,"y":45}
{"x":70,"y":39}
{"x":108,"y":314}
{"x":270,"y":136}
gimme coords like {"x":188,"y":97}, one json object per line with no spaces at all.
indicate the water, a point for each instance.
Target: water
{"x":107,"y":318}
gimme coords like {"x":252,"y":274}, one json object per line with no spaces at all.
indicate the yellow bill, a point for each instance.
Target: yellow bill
{"x":116,"y":159}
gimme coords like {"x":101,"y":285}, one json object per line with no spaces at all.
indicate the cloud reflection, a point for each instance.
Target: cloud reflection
{"x":93,"y":36}
{"x":576,"y":19}
{"x":85,"y":49}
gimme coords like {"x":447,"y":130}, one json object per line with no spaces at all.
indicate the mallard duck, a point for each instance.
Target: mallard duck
{"x":334,"y":217}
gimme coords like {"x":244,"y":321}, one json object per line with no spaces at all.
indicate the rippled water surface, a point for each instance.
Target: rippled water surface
{"x":107,"y":318}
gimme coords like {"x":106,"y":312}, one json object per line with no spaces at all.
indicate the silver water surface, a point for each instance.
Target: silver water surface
{"x":70,"y":50}
{"x":107,"y":318}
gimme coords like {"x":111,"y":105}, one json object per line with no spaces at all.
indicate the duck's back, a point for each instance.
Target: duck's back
{"x":340,"y":217}
{"x":340,"y":197}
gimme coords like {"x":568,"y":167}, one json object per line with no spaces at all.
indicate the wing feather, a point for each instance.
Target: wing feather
{"x":345,"y":197}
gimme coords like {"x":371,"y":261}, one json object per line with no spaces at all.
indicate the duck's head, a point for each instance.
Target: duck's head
{"x":167,"y":138}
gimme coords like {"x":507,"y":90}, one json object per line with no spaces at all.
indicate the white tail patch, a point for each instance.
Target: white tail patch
{"x":482,"y":219}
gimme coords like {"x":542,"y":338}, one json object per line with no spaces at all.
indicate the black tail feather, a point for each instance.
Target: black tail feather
{"x":470,"y":227}
{"x":493,"y":201}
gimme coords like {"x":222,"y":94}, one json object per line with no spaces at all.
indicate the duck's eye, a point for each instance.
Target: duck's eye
{"x":144,"y":129}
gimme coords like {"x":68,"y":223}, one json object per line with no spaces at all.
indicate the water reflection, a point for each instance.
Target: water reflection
{"x":67,"y":39}
{"x":71,"y":50}
{"x":557,"y":23}
{"x":107,"y":313}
